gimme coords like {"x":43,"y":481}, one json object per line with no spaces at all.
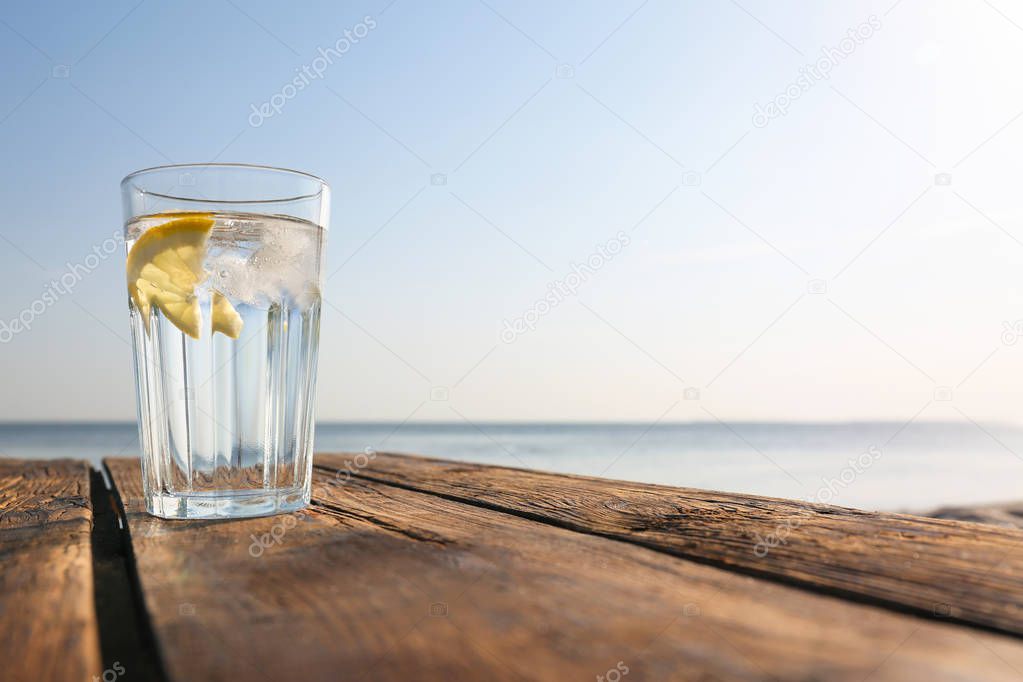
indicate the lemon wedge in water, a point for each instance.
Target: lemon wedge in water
{"x":165,"y":266}
{"x":226,"y":319}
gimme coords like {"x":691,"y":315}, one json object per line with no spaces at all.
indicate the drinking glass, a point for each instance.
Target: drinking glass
{"x":224,"y":269}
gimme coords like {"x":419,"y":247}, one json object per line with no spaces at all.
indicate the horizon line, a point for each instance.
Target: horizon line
{"x":501,"y":422}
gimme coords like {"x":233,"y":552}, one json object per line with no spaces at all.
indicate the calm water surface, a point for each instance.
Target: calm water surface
{"x":893,"y":467}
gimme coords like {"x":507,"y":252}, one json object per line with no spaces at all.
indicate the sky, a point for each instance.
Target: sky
{"x":739,"y":211}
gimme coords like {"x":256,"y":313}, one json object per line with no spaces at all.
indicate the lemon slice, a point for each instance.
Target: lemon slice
{"x":165,"y":266}
{"x":225,"y":318}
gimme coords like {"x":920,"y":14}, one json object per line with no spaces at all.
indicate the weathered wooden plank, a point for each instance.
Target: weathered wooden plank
{"x":48,"y":627}
{"x":969,"y":572}
{"x":380,"y":582}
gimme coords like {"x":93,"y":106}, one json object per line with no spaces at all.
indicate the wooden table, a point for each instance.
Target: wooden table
{"x":424,"y":569}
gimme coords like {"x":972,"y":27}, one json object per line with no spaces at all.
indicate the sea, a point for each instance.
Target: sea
{"x":889,"y":466}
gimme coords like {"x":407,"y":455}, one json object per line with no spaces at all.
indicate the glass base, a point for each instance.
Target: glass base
{"x":226,"y":504}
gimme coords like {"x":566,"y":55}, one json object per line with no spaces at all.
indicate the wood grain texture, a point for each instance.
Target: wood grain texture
{"x":963,"y":571}
{"x":379,"y":582}
{"x":48,"y":627}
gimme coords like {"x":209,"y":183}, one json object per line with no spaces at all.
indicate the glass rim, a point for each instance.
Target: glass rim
{"x":324,"y":185}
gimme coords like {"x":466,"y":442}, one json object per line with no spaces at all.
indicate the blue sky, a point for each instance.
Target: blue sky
{"x":854,"y":258}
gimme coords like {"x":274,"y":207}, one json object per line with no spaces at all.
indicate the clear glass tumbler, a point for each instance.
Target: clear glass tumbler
{"x":224,"y":269}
